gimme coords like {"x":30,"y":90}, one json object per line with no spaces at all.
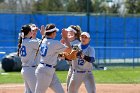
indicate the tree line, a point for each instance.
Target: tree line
{"x":95,"y":6}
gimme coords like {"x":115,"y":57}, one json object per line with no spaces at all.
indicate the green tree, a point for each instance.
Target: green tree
{"x":103,"y":8}
{"x":114,"y":8}
{"x":131,"y":6}
{"x":1,"y":1}
{"x":82,"y":6}
{"x":96,"y":4}
{"x":72,"y":6}
{"x":79,"y":6}
{"x":48,"y":5}
{"x":138,"y":7}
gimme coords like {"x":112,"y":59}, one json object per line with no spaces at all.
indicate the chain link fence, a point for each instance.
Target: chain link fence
{"x":116,"y":39}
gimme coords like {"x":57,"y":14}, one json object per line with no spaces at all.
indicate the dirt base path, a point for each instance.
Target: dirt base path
{"x":101,"y":88}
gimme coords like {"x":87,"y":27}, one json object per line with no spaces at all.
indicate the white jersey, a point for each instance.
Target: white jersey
{"x":82,"y":65}
{"x":49,"y":51}
{"x":74,"y":42}
{"x":39,"y":40}
{"x":28,"y":51}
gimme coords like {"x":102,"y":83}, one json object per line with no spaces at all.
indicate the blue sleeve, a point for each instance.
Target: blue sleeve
{"x":91,"y":57}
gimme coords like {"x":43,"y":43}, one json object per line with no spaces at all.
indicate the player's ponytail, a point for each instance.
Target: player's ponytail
{"x":78,"y":30}
{"x":24,"y":31}
{"x":19,"y":44}
{"x":39,"y":46}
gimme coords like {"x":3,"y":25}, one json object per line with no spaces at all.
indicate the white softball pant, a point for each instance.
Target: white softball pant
{"x":29,"y":77}
{"x":77,"y":79}
{"x":46,"y":77}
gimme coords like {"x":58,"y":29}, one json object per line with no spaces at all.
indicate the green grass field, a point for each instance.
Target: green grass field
{"x":112,"y":75}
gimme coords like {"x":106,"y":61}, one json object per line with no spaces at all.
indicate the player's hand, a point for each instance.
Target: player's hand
{"x":80,"y":54}
{"x":70,"y":56}
{"x":62,"y":41}
{"x":64,"y":33}
{"x":42,"y":30}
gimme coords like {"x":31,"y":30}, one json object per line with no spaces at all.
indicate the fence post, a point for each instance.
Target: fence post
{"x":133,"y":57}
{"x":15,"y":29}
{"x":105,"y":38}
{"x":88,"y":16}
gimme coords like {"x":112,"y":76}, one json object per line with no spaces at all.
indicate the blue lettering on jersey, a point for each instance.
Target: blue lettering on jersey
{"x":43,"y":50}
{"x":80,"y":62}
{"x":23,"y":51}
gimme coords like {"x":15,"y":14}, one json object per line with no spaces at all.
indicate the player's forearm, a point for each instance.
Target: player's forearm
{"x":67,"y":43}
{"x":89,"y":59}
{"x":69,"y":48}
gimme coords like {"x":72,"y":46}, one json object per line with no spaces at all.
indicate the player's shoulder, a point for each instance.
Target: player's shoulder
{"x":79,"y":44}
{"x":53,"y":41}
{"x":33,"y":41}
{"x":91,"y":48}
{"x":26,"y":40}
{"x":75,"y":42}
{"x":39,"y":40}
{"x":57,"y":41}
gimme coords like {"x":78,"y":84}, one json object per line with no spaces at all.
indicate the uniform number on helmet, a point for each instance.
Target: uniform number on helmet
{"x":23,"y":51}
{"x":43,"y":50}
{"x":81,"y":62}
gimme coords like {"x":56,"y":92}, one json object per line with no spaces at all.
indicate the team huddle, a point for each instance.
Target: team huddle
{"x":40,"y":56}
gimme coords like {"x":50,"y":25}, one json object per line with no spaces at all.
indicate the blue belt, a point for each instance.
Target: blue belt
{"x":48,"y":65}
{"x":80,"y":71}
{"x":29,"y":66}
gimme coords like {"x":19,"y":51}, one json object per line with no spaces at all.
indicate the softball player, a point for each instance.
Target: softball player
{"x":27,"y":48}
{"x":74,"y":33}
{"x":34,"y":30}
{"x":49,"y":51}
{"x":83,"y":67}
